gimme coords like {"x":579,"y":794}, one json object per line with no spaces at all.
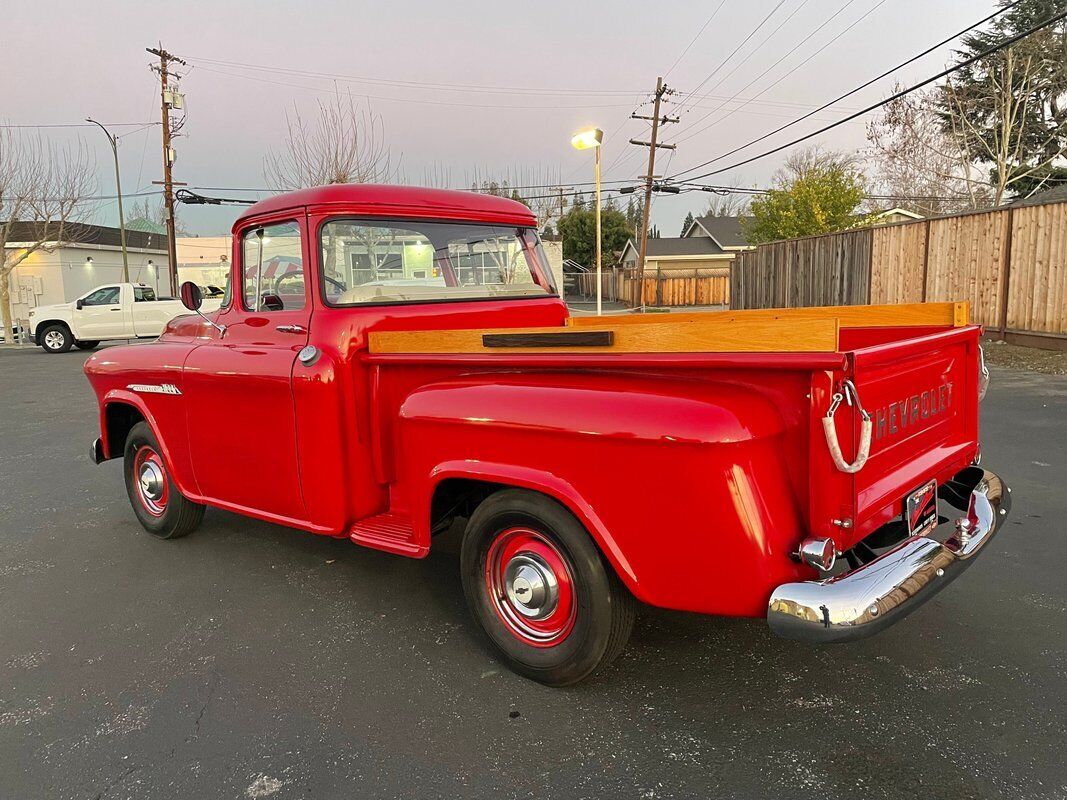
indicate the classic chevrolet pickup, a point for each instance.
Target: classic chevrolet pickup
{"x":391,"y":363}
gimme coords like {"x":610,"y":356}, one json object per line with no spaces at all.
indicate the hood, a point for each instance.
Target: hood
{"x":40,"y":311}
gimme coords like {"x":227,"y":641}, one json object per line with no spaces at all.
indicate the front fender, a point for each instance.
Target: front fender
{"x":174,"y":455}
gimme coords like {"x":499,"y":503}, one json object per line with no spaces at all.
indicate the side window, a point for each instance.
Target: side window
{"x":104,"y":296}
{"x":273,"y":267}
{"x":144,"y":294}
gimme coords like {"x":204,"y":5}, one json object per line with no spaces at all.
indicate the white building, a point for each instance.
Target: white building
{"x":64,"y":271}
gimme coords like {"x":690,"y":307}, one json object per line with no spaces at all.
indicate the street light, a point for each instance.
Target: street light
{"x":118,"y":191}
{"x":584,"y":140}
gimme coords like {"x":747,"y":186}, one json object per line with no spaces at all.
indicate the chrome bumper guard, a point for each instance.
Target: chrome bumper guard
{"x":869,"y":598}
{"x":96,"y":452}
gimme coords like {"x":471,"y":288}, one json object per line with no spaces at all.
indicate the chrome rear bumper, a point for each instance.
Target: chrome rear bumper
{"x":872,"y":597}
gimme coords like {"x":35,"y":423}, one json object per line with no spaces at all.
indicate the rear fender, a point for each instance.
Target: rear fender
{"x":582,"y":439}
{"x":547,"y":484}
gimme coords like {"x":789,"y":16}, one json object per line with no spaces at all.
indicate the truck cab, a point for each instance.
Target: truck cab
{"x":390,"y":363}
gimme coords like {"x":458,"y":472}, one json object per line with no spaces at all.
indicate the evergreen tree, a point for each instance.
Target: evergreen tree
{"x":686,"y":223}
{"x":1009,"y":109}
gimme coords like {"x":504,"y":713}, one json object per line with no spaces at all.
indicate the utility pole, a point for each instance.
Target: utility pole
{"x":166,"y":98}
{"x":114,"y":142}
{"x":652,"y":145}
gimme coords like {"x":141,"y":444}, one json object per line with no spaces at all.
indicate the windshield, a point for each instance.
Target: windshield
{"x":380,"y":261}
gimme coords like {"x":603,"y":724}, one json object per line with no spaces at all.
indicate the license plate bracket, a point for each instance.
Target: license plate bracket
{"x":920,"y":508}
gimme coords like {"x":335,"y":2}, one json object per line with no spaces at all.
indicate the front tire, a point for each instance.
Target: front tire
{"x":85,"y":345}
{"x":540,"y":590}
{"x":160,"y":507}
{"x":56,"y":339}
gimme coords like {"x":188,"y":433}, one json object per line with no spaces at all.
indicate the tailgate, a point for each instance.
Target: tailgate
{"x":922,"y":397}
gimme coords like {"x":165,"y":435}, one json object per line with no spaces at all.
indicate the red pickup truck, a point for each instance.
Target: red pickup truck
{"x":392,"y":362}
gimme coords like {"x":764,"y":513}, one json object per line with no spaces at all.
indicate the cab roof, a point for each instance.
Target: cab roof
{"x":381,"y":200}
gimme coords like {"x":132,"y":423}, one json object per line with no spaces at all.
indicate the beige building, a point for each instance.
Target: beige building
{"x":204,"y":260}
{"x":709,"y":243}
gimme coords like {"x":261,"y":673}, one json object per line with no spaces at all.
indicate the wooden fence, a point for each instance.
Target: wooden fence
{"x":1010,"y":264}
{"x":690,"y":287}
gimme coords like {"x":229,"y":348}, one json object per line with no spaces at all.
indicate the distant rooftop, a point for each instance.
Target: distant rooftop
{"x":1054,"y":195}
{"x":145,"y":225}
{"x":724,"y":230}
{"x":76,"y":233}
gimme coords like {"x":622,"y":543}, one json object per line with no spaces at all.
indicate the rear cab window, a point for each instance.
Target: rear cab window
{"x":375,"y":261}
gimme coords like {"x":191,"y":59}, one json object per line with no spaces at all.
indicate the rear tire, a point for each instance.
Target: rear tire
{"x":159,"y":506}
{"x":85,"y":345}
{"x":540,"y":590}
{"x":56,"y":339}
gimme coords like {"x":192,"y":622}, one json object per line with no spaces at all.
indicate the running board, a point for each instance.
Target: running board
{"x":391,"y":532}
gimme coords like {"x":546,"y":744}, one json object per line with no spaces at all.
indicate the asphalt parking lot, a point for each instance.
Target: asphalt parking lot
{"x":249,"y":660}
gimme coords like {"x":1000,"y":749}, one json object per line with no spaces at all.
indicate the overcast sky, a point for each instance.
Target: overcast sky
{"x":591,"y":63}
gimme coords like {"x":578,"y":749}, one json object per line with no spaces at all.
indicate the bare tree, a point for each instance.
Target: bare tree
{"x":342,"y":144}
{"x":1014,"y":143}
{"x":922,"y":167}
{"x":43,"y":189}
{"x":726,"y":203}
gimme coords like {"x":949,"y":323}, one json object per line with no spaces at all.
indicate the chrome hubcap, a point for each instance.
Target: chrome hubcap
{"x":531,"y":586}
{"x":150,"y":480}
{"x":54,"y":339}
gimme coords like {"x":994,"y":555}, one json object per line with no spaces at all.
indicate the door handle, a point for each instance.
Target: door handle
{"x":115,"y":310}
{"x":291,"y":329}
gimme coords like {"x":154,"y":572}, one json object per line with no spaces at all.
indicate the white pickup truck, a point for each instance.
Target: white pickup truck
{"x":115,"y":311}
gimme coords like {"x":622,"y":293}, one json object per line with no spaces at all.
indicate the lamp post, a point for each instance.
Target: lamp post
{"x":584,"y":140}
{"x":118,"y":191}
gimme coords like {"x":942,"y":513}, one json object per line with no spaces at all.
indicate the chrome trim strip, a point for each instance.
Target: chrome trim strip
{"x":154,"y":388}
{"x":872,"y":597}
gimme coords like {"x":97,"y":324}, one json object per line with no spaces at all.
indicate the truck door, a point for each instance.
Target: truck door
{"x":242,"y":421}
{"x":150,"y":315}
{"x":100,"y":315}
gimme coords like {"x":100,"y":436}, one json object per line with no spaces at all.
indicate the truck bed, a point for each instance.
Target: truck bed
{"x":914,"y":366}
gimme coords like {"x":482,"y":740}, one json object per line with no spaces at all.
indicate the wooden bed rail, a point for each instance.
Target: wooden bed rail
{"x":745,"y":335}
{"x":895,"y":316}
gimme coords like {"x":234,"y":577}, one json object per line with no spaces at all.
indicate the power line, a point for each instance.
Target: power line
{"x":694,"y":39}
{"x":419,"y":101}
{"x":82,"y":125}
{"x":759,"y":47}
{"x":426,"y":85}
{"x":847,"y":94}
{"x":691,"y":133}
{"x":733,"y":52}
{"x":874,"y":106}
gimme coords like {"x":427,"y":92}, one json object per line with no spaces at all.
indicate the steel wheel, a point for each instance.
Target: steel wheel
{"x":152,"y":487}
{"x":531,"y":584}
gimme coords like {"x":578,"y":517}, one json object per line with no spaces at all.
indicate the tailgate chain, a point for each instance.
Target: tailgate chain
{"x":847,"y":393}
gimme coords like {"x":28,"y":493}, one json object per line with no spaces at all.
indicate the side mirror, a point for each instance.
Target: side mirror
{"x":190,"y":296}
{"x":192,"y":299}
{"x":80,"y":305}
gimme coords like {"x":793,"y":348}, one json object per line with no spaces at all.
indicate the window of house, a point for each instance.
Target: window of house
{"x":273,"y":266}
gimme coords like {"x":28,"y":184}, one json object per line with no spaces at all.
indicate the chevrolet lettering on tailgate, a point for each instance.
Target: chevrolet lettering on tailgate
{"x":897,"y":417}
